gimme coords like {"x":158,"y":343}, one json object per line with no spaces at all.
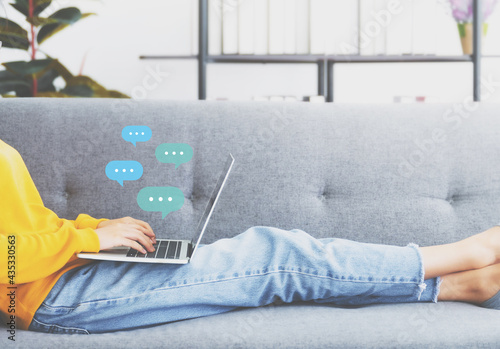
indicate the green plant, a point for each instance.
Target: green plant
{"x":35,"y":78}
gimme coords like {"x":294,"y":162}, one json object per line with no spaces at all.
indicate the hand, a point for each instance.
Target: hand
{"x":128,"y":232}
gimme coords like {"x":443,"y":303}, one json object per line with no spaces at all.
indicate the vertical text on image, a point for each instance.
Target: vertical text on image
{"x":453,"y":116}
{"x":11,"y":288}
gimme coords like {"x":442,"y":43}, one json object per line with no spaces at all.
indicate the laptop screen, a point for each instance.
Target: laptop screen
{"x":211,"y":203}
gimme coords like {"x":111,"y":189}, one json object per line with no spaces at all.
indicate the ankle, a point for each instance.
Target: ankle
{"x":492,"y":242}
{"x":485,"y":284}
{"x":472,"y":286}
{"x":453,"y":288}
{"x":481,"y":250}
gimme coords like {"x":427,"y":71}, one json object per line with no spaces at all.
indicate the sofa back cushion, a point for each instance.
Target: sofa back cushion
{"x":376,"y":173}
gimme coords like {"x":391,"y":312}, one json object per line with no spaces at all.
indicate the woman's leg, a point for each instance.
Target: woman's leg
{"x":473,"y":286}
{"x":255,"y":268}
{"x":475,"y":252}
{"x":258,"y":267}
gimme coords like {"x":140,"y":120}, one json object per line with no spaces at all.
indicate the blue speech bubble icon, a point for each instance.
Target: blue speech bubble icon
{"x":134,"y":134}
{"x":124,"y":171}
{"x":174,"y":153}
{"x":160,"y":199}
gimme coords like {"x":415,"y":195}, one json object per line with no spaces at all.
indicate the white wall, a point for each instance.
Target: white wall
{"x":123,"y":30}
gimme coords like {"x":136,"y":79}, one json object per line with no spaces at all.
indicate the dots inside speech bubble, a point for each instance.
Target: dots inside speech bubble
{"x":134,"y":134}
{"x":174,"y":153}
{"x":124,"y":171}
{"x":160,"y":199}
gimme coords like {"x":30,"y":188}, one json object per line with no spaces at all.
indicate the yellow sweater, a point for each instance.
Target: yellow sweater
{"x":36,"y":246}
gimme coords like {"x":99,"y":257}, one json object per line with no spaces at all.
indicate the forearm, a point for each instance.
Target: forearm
{"x":39,"y":255}
{"x":86,"y":221}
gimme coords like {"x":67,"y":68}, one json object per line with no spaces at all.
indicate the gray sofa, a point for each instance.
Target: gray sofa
{"x":391,"y":174}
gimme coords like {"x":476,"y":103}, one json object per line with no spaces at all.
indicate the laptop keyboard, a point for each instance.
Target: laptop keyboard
{"x":163,"y":249}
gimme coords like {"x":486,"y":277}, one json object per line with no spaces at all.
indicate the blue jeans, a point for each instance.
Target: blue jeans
{"x":258,"y":267}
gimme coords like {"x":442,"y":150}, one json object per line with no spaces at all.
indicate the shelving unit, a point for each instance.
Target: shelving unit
{"x":325,"y":63}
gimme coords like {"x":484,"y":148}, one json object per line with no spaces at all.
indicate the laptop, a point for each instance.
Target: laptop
{"x":166,"y":250}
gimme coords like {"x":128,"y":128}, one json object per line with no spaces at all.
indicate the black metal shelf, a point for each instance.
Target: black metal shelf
{"x":325,"y":63}
{"x":316,"y":58}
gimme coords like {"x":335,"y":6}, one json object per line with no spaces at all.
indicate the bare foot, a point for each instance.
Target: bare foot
{"x":473,"y":286}
{"x":475,"y":252}
{"x":481,"y":250}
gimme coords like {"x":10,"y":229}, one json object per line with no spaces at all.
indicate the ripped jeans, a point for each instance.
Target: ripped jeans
{"x":255,"y":268}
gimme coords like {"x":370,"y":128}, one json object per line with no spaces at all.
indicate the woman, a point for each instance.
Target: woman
{"x":45,"y":287}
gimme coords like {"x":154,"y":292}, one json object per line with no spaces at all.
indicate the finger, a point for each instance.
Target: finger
{"x":127,"y":220}
{"x":138,"y":247}
{"x":133,"y":244}
{"x":146,"y":229}
{"x":140,"y":237}
{"x":151,"y":230}
{"x":146,"y":226}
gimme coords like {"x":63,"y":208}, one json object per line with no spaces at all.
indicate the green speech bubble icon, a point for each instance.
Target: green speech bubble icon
{"x":174,"y":153}
{"x":160,"y":199}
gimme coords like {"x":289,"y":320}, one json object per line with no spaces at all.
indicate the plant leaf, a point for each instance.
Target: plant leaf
{"x":28,"y":68}
{"x":23,"y":6}
{"x":79,"y":91}
{"x":61,"y":70}
{"x":63,"y":18}
{"x":46,"y":81}
{"x":115,"y":94}
{"x":67,"y":15}
{"x":75,"y":82}
{"x":85,"y":15}
{"x":53,"y":94}
{"x":12,"y":35}
{"x":10,"y":82}
{"x":98,"y":90}
{"x":48,"y":30}
{"x":38,"y":21}
{"x":20,"y":87}
{"x":40,"y":6}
